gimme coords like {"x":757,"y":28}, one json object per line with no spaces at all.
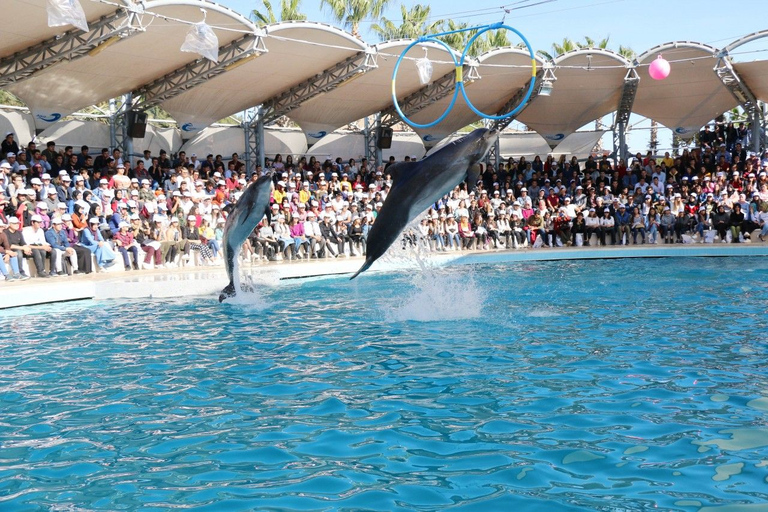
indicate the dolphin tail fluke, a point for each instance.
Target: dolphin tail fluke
{"x":227,"y":292}
{"x":365,"y":267}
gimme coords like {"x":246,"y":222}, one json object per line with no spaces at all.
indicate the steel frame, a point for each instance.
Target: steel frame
{"x":197,"y":72}
{"x":624,"y":110}
{"x":345,"y":71}
{"x":71,"y":45}
{"x":427,"y":95}
{"x":372,"y":151}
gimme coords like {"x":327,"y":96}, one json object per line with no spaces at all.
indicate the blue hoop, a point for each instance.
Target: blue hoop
{"x":455,"y":89}
{"x":459,"y":79}
{"x":531,"y":86}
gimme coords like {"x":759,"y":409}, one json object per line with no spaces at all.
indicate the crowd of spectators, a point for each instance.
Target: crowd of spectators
{"x":68,"y":211}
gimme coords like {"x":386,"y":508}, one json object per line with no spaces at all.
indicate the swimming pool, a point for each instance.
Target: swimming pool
{"x":591,"y":385}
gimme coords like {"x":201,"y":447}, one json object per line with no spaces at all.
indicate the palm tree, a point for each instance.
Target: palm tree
{"x":350,"y":13}
{"x":414,"y":24}
{"x":496,"y":39}
{"x":590,"y":43}
{"x":459,"y":40}
{"x":289,"y":10}
{"x":627,"y":52}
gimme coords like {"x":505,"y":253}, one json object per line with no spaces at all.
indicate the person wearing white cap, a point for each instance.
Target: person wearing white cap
{"x":313,"y":234}
{"x":125,"y":243}
{"x":35,"y":244}
{"x":92,"y":239}
{"x":58,"y":240}
{"x":191,"y":234}
{"x":9,"y":257}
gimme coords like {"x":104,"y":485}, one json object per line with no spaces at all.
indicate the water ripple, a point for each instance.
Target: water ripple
{"x":539,"y":386}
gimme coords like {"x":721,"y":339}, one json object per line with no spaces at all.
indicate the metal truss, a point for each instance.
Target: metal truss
{"x":427,"y":95}
{"x":71,"y":45}
{"x":372,"y":151}
{"x":253,"y":129}
{"x":343,"y":72}
{"x":515,"y":100}
{"x":195,"y":73}
{"x":626,"y":102}
{"x":731,"y":80}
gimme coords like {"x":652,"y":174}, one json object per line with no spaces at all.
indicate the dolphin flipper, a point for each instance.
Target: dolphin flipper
{"x":227,"y":292}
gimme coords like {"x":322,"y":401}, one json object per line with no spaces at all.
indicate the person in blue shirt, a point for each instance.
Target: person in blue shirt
{"x":57,"y":239}
{"x":623,"y":221}
{"x":92,"y":240}
{"x":117,"y":218}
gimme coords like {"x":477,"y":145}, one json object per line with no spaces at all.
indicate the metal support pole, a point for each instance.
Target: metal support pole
{"x":756,"y":128}
{"x":127,"y":139}
{"x":622,"y":141}
{"x":372,"y":151}
{"x":248,"y":154}
{"x":112,"y":127}
{"x":260,"y":136}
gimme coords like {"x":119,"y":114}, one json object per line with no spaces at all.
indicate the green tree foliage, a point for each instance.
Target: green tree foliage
{"x":289,"y":10}
{"x":350,"y":13}
{"x":415,"y":23}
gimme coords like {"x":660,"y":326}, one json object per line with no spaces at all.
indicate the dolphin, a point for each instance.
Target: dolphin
{"x":244,"y":217}
{"x":417,"y":185}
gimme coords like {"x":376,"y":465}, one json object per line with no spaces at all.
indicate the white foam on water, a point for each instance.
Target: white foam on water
{"x":440,"y":297}
{"x":543,"y":313}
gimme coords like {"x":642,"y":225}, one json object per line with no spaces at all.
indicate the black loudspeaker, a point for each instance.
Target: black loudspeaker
{"x":385,"y":138}
{"x":137,"y":124}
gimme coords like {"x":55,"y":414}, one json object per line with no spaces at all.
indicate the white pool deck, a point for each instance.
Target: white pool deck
{"x":208,"y":281}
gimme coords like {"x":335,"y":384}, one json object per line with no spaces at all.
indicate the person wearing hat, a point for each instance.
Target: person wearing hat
{"x":17,"y":244}
{"x":125,"y":242}
{"x":190,"y":233}
{"x":35,"y":245}
{"x":314,"y":235}
{"x":8,"y":256}
{"x":92,"y":239}
{"x":58,"y":240}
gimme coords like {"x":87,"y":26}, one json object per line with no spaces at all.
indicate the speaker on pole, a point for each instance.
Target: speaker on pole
{"x":384,"y":140}
{"x":137,"y":124}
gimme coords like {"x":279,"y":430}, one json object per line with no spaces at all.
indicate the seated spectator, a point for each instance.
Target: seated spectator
{"x":58,"y":240}
{"x":8,"y":256}
{"x":624,"y":224}
{"x":592,"y":226}
{"x":92,"y":239}
{"x":721,"y":222}
{"x":36,"y":246}
{"x":126,"y":243}
{"x":607,"y":225}
{"x":84,"y":260}
{"x":637,"y":226}
{"x":736,"y":221}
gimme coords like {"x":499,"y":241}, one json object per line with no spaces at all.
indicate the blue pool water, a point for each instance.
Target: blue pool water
{"x":593,"y":385}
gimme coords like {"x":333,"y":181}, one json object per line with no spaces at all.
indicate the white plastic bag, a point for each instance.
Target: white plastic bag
{"x":425,"y":69}
{"x":579,"y":239}
{"x":202,"y":39}
{"x":66,"y":12}
{"x":709,"y":236}
{"x":538,"y":243}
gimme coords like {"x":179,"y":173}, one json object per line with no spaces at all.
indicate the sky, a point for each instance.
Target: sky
{"x":637,"y":24}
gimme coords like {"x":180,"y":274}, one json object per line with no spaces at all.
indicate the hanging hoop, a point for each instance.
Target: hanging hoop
{"x":459,"y":78}
{"x":531,"y":85}
{"x":459,"y":81}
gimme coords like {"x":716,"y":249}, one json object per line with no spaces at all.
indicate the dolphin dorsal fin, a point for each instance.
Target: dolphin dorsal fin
{"x":401,"y":170}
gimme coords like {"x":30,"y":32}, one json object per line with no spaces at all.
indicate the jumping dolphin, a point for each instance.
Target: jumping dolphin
{"x":247,"y":213}
{"x":417,"y":185}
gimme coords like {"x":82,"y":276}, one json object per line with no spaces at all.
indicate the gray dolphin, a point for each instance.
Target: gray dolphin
{"x":417,"y":185}
{"x":247,"y":213}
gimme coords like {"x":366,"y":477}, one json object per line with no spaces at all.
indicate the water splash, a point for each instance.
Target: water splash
{"x":440,"y":297}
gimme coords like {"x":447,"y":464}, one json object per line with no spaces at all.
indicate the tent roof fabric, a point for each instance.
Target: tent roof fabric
{"x":589,"y":82}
